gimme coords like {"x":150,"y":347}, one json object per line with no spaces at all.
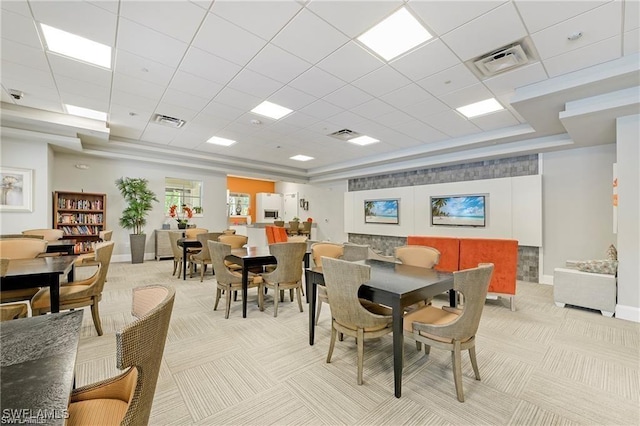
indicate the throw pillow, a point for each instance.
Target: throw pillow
{"x":612,"y":253}
{"x":608,"y":267}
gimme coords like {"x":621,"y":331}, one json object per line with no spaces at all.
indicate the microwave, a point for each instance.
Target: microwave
{"x":271,"y":214}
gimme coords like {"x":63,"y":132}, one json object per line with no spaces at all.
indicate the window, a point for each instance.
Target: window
{"x":183,"y":191}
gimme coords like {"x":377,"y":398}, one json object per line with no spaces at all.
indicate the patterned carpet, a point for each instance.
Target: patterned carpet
{"x":539,"y":365}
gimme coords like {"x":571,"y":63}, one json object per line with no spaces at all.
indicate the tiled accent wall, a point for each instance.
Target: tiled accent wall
{"x":528,"y":257}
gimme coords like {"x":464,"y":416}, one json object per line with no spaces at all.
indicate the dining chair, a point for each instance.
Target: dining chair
{"x":230,"y":281}
{"x":105,"y":235}
{"x":174,"y":236}
{"x":354,"y":252}
{"x":305,"y":229}
{"x":47,"y":234}
{"x":287,"y":274}
{"x":348,"y":315}
{"x":229,"y":232}
{"x":203,"y":257}
{"x":279,"y":223}
{"x":191,"y":233}
{"x":454,"y":329}
{"x":294,"y":227}
{"x":422,"y":256}
{"x":318,"y":250}
{"x":235,"y":241}
{"x":14,"y":310}
{"x":20,"y":248}
{"x":78,"y":294}
{"x":127,"y":399}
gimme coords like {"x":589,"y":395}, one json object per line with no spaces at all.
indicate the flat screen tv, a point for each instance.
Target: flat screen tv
{"x":458,"y":210}
{"x":381,"y":211}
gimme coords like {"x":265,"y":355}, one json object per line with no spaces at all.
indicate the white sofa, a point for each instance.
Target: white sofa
{"x":585,"y":289}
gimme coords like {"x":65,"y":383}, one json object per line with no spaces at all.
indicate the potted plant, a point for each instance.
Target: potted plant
{"x":139,"y":198}
{"x":182,"y":219}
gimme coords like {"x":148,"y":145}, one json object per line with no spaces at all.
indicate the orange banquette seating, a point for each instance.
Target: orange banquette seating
{"x":276,"y":234}
{"x":463,"y":253}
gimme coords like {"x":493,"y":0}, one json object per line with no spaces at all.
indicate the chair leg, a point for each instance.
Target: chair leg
{"x":332,"y":343}
{"x":228,"y":300}
{"x":318,"y":311}
{"x":474,"y":361}
{"x":457,"y":370}
{"x":218,"y":292}
{"x":179,"y":268}
{"x":291,"y":294}
{"x":360,"y":343}
{"x":175,"y":266}
{"x":276,"y":291}
{"x":260,"y":298}
{"x":281,"y":295}
{"x":202,"y":268}
{"x":299,"y":295}
{"x":96,"y":317}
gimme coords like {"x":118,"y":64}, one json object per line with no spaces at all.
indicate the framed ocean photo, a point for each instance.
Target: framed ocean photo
{"x":458,"y":210}
{"x":382,"y":211}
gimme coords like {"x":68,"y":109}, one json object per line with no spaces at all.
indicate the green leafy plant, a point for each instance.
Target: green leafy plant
{"x":139,"y":198}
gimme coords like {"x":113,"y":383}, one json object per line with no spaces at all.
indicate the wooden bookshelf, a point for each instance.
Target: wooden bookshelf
{"x":81,"y":215}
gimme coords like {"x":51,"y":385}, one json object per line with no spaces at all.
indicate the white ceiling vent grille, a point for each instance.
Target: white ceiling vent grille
{"x":501,"y":60}
{"x":344,"y":134}
{"x":165,"y":120}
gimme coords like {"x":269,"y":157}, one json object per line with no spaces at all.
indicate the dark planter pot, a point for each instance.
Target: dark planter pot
{"x":182,"y":225}
{"x":137,"y":247}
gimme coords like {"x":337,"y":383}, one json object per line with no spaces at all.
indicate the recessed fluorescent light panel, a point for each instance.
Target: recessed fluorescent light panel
{"x":395,"y":35}
{"x":271,"y":110}
{"x":220,"y":141}
{"x":76,"y":47}
{"x":86,"y":112}
{"x":480,"y":108}
{"x":363,"y":140}
{"x":301,"y":158}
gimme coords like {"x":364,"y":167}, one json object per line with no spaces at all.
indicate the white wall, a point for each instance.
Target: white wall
{"x":628,"y":160}
{"x":577,"y":212}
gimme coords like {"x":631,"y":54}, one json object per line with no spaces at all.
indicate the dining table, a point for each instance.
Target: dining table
{"x":39,"y":272}
{"x":186,"y":244}
{"x":37,"y":364}
{"x":61,"y":246}
{"x":391,"y":284}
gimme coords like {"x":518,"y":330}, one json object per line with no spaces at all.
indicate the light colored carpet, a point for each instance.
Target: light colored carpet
{"x":539,"y":365}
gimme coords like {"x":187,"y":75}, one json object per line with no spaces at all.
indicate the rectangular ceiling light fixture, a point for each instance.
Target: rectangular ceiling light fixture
{"x":363,"y":140}
{"x":220,"y":141}
{"x":480,"y":108}
{"x":301,"y":157}
{"x":271,"y":110}
{"x":76,"y":47}
{"x":395,"y":35}
{"x":86,"y":112}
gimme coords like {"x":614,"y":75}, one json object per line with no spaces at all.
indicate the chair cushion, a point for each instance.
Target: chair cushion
{"x":97,"y":412}
{"x":9,"y":312}
{"x":428,"y":315}
{"x":68,"y":293}
{"x":17,"y":295}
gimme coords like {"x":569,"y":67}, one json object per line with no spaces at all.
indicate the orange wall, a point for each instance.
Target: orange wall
{"x":251,"y":187}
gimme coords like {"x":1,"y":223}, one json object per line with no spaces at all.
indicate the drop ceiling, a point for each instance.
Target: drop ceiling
{"x":210,"y":62}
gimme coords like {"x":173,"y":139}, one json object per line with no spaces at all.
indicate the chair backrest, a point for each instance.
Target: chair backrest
{"x":279,"y":223}
{"x":332,"y":250}
{"x":4,"y":266}
{"x":218,"y":251}
{"x":47,"y":234}
{"x":3,"y":236}
{"x":342,"y":280}
{"x":423,"y":256}
{"x":105,"y":235}
{"x":306,"y":227}
{"x":174,"y":236}
{"x":203,"y":238}
{"x":22,"y":248}
{"x":276,"y":234}
{"x":229,"y":232}
{"x":235,"y":241}
{"x":289,"y":258}
{"x":193,"y":232}
{"x":353,"y":252}
{"x":294,"y":226}
{"x":140,"y":345}
{"x":103,"y":252}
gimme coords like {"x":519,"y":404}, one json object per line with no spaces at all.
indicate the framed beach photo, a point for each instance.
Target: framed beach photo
{"x":382,"y":211}
{"x":16,"y":189}
{"x":459,"y":210}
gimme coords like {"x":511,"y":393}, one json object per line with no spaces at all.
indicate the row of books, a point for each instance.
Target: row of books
{"x":66,"y":203}
{"x":84,"y":246}
{"x":80,"y":218}
{"x":81,"y":230}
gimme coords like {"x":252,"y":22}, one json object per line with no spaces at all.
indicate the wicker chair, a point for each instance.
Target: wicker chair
{"x":348,"y":316}
{"x":177,"y":252}
{"x":422,"y":256}
{"x":203,"y":258}
{"x":230,"y":281}
{"x":47,"y":234}
{"x":318,"y":250}
{"x":21,"y":248}
{"x":78,"y":294}
{"x":450,"y":328}
{"x":127,"y":399}
{"x":288,"y":272}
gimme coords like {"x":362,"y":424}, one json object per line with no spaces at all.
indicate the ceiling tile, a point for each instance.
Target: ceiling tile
{"x":20,"y":29}
{"x":495,"y":120}
{"x":431,"y":58}
{"x":84,"y":101}
{"x":208,"y":66}
{"x":81,"y":71}
{"x":175,"y":111}
{"x":18,"y":72}
{"x":345,"y":120}
{"x":21,"y":7}
{"x":538,"y":15}
{"x":278,"y":64}
{"x":449,"y":80}
{"x":187,"y":140}
{"x":108,"y":5}
{"x":299,"y":119}
{"x":251,"y":82}
{"x":511,"y":80}
{"x":142,"y":68}
{"x":425,"y":108}
{"x":452,"y":124}
{"x":148,"y":43}
{"x":381,"y":81}
{"x":354,"y":18}
{"x":159,"y":134}
{"x":486,"y":33}
{"x":126,"y":132}
{"x":631,"y":42}
{"x":587,"y":56}
{"x":348,"y":97}
{"x":184,"y":82}
{"x":291,"y":98}
{"x":444,"y":16}
{"x":421,"y":132}
{"x":309,"y":37}
{"x":317,"y":82}
{"x":262,"y":18}
{"x":227,"y":40}
{"x":120,"y":114}
{"x":394,"y":119}
{"x":83,"y":88}
{"x":468,"y":95}
{"x":595,"y":25}
{"x":184,"y":99}
{"x":217,"y":110}
{"x":237,"y":99}
{"x":321,"y":109}
{"x":25,"y":55}
{"x":132,"y":100}
{"x":631,"y":15}
{"x":33,"y":89}
{"x":373,"y":108}
{"x":350,"y":62}
{"x":407,"y":95}
{"x":179,"y":20}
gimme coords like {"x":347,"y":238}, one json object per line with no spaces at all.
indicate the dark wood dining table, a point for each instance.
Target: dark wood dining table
{"x":39,"y":272}
{"x":61,"y":246}
{"x":391,"y":284}
{"x":37,"y":364}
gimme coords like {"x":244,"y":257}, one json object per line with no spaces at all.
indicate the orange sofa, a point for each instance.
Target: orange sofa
{"x":463,"y":253}
{"x":276,"y":234}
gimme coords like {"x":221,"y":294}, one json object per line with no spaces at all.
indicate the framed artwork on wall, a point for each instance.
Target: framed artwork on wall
{"x":382,"y":211}
{"x":458,"y":210}
{"x":16,"y":190}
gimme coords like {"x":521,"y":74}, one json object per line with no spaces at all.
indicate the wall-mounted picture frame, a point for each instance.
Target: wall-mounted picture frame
{"x":302,"y":200}
{"x":16,"y":189}
{"x":459,"y":210}
{"x":384,"y":211}
{"x":306,"y":205}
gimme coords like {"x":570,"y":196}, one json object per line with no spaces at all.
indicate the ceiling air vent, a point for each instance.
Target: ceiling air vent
{"x":503,"y":59}
{"x":344,"y":134}
{"x":176,"y":123}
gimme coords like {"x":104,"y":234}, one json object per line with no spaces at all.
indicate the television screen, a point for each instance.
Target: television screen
{"x":467,"y":210}
{"x":381,"y":211}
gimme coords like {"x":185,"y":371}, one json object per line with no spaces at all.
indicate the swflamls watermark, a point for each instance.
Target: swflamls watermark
{"x":23,"y":416}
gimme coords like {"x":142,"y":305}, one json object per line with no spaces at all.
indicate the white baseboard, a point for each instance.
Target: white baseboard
{"x":546,"y":279}
{"x":629,"y":313}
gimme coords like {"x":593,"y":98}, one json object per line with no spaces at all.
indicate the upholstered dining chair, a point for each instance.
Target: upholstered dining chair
{"x":318,"y":250}
{"x":78,"y":294}
{"x":450,"y":328}
{"x":47,"y":234}
{"x":203,"y":258}
{"x":348,"y":315}
{"x":193,"y":232}
{"x":235,"y":241}
{"x":127,"y":399}
{"x":288,"y":272}
{"x":105,"y":235}
{"x":230,"y":281}
{"x":305,"y":229}
{"x":422,"y":256}
{"x":174,"y":236}
{"x":20,"y":248}
{"x":15,"y":310}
